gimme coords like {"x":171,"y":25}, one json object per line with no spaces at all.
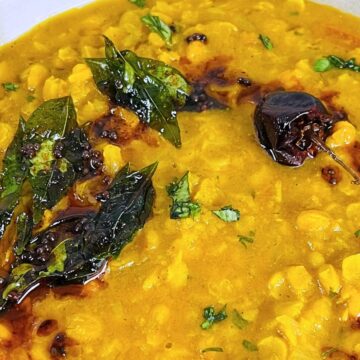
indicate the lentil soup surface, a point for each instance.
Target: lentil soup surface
{"x":293,"y":290}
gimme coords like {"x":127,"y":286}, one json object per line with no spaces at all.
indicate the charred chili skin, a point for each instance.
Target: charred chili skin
{"x":286,"y":123}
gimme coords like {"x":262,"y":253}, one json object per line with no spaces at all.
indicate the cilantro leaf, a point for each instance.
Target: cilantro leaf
{"x":245,"y":240}
{"x":182,"y":206}
{"x":238,"y":320}
{"x":266,"y":42}
{"x":139,"y":3}
{"x":10,"y":86}
{"x":248,"y":345}
{"x":212,"y":349}
{"x":156,"y":25}
{"x":211,"y":317}
{"x":227,"y":214}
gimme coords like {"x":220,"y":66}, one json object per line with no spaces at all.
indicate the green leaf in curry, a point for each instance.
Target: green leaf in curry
{"x":24,"y":226}
{"x":139,"y":3}
{"x":10,"y":86}
{"x":182,"y":206}
{"x":227,"y":214}
{"x":238,"y":320}
{"x":332,"y":61}
{"x":12,"y":178}
{"x":71,"y":255}
{"x":151,"y":89}
{"x":212,"y":349}
{"x":31,"y":156}
{"x":266,"y":42}
{"x":49,"y":177}
{"x":155,"y":24}
{"x":250,"y":346}
{"x":211,"y":317}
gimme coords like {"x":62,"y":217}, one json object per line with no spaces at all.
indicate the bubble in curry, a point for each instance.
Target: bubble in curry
{"x":180,"y":181}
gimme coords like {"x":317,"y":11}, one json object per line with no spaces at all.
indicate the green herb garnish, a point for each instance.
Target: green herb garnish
{"x":151,"y":89}
{"x":227,"y":214}
{"x":211,"y":317}
{"x":266,"y":41}
{"x":213,"y":349}
{"x":357,"y":233}
{"x":182,"y":206}
{"x":10,"y":86}
{"x":329,"y":62}
{"x":30,"y":98}
{"x":139,"y":3}
{"x":156,"y":25}
{"x":322,"y":65}
{"x":248,"y":345}
{"x":238,"y":320}
{"x":245,"y":240}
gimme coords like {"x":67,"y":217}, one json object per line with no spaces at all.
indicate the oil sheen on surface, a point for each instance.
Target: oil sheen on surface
{"x":298,"y":283}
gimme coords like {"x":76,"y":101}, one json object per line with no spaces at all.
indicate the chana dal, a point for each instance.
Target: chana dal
{"x":281,"y":280}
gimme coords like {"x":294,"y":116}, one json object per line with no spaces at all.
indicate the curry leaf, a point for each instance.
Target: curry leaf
{"x":78,"y":255}
{"x":139,"y":3}
{"x":52,"y":121}
{"x":227,"y":214}
{"x":12,"y":178}
{"x":155,"y":24}
{"x":150,"y":88}
{"x":182,"y":206}
{"x":24,"y":225}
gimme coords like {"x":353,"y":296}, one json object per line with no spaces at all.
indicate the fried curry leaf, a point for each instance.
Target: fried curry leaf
{"x":12,"y":178}
{"x":151,"y":89}
{"x":182,"y":206}
{"x":74,"y":256}
{"x":227,"y":214}
{"x":155,"y":24}
{"x":211,"y":317}
{"x":24,"y":226}
{"x":139,"y":3}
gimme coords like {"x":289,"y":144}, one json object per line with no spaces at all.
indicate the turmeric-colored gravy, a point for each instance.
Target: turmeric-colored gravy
{"x":287,"y":273}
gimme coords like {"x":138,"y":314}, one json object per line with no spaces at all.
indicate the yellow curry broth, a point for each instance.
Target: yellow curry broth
{"x":297,"y":284}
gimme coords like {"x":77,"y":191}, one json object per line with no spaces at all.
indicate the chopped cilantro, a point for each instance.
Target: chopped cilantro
{"x":215,"y":349}
{"x":10,"y":86}
{"x":155,"y":24}
{"x":357,"y":233}
{"x":182,"y":206}
{"x":238,"y":320}
{"x":248,"y":345}
{"x":211,"y":317}
{"x":139,"y":3}
{"x":266,"y":41}
{"x":245,"y":240}
{"x":227,"y":214}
